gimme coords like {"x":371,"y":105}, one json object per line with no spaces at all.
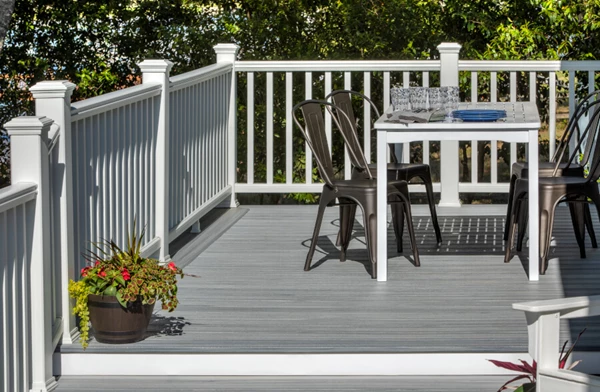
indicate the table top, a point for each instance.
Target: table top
{"x":519,"y":116}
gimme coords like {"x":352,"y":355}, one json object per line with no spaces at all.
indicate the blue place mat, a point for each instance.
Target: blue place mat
{"x":479,"y":114}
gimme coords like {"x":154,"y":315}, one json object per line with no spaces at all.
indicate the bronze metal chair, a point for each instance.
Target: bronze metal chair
{"x":586,"y":107}
{"x":555,"y":189}
{"x":358,"y":192}
{"x":395,"y":170}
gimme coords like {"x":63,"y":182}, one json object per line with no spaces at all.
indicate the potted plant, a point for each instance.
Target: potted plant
{"x":118,"y":289}
{"x":529,"y":371}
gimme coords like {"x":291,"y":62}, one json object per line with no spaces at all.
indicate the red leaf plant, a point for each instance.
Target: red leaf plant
{"x":530,"y":370}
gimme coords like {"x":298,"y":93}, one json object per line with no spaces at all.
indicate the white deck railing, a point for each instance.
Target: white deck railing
{"x":157,"y":154}
{"x":17,"y":206}
{"x":543,"y":324}
{"x":275,"y":86}
{"x":164,"y":154}
{"x":31,"y":325}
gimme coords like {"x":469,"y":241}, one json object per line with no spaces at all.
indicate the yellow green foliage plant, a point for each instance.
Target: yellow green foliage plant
{"x":125,"y":274}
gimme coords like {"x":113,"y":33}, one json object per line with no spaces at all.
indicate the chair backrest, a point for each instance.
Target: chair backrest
{"x":585,"y":108}
{"x":314,"y":133}
{"x":343,"y":100}
{"x":592,"y":147}
{"x":585,"y":138}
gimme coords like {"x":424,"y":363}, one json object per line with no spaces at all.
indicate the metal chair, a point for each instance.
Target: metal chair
{"x":354,"y":192}
{"x":586,"y":107}
{"x":395,"y":170}
{"x":554,"y":189}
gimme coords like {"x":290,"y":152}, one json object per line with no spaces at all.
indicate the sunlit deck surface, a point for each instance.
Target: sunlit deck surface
{"x":254,"y":297}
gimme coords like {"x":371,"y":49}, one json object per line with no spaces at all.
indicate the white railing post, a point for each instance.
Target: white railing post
{"x":227,"y":53}
{"x":449,"y":149}
{"x":29,"y":161}
{"x":53,"y":99}
{"x":157,"y":71}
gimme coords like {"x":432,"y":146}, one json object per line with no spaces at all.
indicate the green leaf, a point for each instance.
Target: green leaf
{"x":120,"y":280}
{"x":121,"y":300}
{"x":110,"y":290}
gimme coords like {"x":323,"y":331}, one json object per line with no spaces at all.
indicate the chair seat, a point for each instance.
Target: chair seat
{"x":402,"y":171}
{"x":366,"y":184}
{"x":546,"y":169}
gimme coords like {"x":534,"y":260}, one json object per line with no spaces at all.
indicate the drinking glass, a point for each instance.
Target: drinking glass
{"x":435,"y":98}
{"x":400,"y":98}
{"x":450,"y":98}
{"x":418,"y":98}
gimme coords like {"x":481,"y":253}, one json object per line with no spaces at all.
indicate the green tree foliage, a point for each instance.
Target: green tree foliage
{"x":96,"y":44}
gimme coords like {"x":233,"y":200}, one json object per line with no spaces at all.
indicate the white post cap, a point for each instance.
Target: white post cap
{"x":52,"y":89}
{"x":155,"y":66}
{"x":226,"y":52}
{"x":28,"y":126}
{"x":449,"y":47}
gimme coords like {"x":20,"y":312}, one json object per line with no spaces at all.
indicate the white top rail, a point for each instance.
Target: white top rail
{"x":325,"y":66}
{"x":567,"y":307}
{"x":516,"y":66}
{"x":106,"y":102}
{"x":16,"y":194}
{"x":199,"y":75}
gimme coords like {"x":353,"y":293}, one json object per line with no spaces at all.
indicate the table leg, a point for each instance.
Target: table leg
{"x":382,"y":206}
{"x":534,"y":222}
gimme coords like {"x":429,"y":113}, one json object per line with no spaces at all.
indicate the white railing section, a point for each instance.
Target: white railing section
{"x":543,"y":324}
{"x":521,"y":80}
{"x":199,"y":110}
{"x":113,"y":150}
{"x":30,"y":319}
{"x":97,"y":167}
{"x":17,"y":208}
{"x":312,"y":76}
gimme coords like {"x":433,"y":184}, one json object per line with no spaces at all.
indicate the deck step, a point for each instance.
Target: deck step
{"x":233,"y":384}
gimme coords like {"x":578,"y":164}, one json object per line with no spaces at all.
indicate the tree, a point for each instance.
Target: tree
{"x":6,"y":10}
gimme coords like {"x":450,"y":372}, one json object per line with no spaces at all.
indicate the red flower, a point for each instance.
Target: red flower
{"x":102,"y":273}
{"x":125,"y":274}
{"x":97,"y":262}
{"x":172,"y":266}
{"x":84,"y":271}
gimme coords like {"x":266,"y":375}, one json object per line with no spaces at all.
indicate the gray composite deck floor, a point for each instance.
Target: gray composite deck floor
{"x":254,"y":297}
{"x":232,"y":384}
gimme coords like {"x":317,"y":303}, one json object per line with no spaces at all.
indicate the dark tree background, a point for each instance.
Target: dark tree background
{"x":96,"y":43}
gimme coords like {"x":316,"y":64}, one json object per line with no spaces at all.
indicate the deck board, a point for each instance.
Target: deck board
{"x":232,"y":384}
{"x":254,"y":297}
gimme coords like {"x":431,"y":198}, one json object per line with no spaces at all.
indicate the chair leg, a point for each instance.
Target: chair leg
{"x":347,"y":213}
{"x":522,"y":216}
{"x":578,"y":220}
{"x":370,"y":222}
{"x":546,"y":226}
{"x":509,"y":206}
{"x":322,"y":205}
{"x":590,"y":225}
{"x":411,"y":232}
{"x":512,"y":224}
{"x":398,"y":223}
{"x":431,"y":201}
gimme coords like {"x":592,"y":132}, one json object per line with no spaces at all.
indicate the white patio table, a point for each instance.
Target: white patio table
{"x":521,"y":125}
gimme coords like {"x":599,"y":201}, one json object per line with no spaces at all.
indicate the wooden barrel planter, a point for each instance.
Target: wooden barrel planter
{"x":114,"y":324}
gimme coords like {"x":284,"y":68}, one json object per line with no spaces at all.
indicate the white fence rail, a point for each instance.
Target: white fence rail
{"x":159,"y":154}
{"x":113,"y":155}
{"x":198,"y":166}
{"x":17,"y":209}
{"x":273,"y":87}
{"x":30,"y":320}
{"x":543,"y":323}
